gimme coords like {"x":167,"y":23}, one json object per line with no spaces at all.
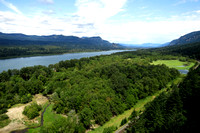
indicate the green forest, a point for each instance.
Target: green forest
{"x":95,"y":88}
{"x":173,"y":111}
{"x":92,"y":90}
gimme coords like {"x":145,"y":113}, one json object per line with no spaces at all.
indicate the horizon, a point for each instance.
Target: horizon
{"x":122,"y":21}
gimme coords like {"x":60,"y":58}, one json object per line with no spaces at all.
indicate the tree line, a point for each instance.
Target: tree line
{"x":34,"y":50}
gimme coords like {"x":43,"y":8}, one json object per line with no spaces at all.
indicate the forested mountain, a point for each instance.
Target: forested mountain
{"x":15,"y":45}
{"x":21,"y":39}
{"x":192,"y":37}
{"x":191,"y":50}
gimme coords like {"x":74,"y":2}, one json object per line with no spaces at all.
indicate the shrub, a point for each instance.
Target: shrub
{"x":32,"y":111}
{"x":109,"y":129}
{"x":4,"y":120}
{"x":124,"y":121}
{"x":3,"y":117}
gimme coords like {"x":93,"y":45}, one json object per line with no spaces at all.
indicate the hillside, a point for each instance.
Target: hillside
{"x":191,"y":50}
{"x":15,"y":45}
{"x":21,"y":39}
{"x":174,"y":111}
{"x":192,"y":37}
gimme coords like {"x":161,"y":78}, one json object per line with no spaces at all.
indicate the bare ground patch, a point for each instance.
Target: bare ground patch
{"x":40,"y":99}
{"x":16,"y":116}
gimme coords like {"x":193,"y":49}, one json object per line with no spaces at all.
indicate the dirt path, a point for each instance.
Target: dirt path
{"x":16,"y":116}
{"x":197,"y":64}
{"x":121,"y":130}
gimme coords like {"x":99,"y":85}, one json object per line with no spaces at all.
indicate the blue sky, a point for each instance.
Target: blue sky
{"x":120,"y":21}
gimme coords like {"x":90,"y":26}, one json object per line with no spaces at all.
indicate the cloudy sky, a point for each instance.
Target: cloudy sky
{"x":121,"y":21}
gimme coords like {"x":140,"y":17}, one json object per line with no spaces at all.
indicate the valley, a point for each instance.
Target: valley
{"x":67,"y":75}
{"x":99,"y":66}
{"x":101,"y":94}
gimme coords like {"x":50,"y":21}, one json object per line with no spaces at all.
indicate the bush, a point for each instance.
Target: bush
{"x":4,"y":120}
{"x":4,"y":110}
{"x":62,"y":125}
{"x":124,"y":121}
{"x":32,"y":110}
{"x":26,"y":98}
{"x":109,"y":129}
{"x":3,"y":117}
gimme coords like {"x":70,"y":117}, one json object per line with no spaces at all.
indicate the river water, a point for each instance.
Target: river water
{"x":18,"y":63}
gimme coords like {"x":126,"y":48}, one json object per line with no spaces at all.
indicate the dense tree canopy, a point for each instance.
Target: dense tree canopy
{"x":174,"y":111}
{"x":95,"y":88}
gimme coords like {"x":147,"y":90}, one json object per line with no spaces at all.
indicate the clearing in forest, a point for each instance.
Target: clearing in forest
{"x":180,"y":65}
{"x":48,"y":117}
{"x":16,"y":116}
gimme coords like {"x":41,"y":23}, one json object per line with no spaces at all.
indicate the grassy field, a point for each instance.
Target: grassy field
{"x":49,"y":117}
{"x":139,"y":106}
{"x":174,"y":64}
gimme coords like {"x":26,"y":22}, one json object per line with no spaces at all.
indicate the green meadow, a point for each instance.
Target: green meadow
{"x":174,"y":64}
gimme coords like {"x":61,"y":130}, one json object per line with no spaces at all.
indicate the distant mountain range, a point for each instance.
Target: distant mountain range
{"x":72,"y":42}
{"x":91,"y":43}
{"x":192,"y":37}
{"x":144,"y":45}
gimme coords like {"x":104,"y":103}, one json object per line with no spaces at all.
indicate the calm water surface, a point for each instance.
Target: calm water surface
{"x":18,"y":63}
{"x":184,"y":71}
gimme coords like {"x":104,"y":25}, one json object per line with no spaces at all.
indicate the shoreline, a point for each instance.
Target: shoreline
{"x":35,"y":55}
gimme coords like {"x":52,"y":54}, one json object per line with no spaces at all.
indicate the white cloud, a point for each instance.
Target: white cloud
{"x":184,"y":1}
{"x":46,"y":1}
{"x":98,"y":11}
{"x":11,"y":6}
{"x":39,"y":24}
{"x":157,"y":31}
{"x":93,"y":19}
{"x":126,"y":32}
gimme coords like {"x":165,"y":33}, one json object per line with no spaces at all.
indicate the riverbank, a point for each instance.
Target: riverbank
{"x":35,"y":55}
{"x":18,"y":63}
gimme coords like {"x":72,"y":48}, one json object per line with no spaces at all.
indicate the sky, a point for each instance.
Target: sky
{"x":119,"y":21}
